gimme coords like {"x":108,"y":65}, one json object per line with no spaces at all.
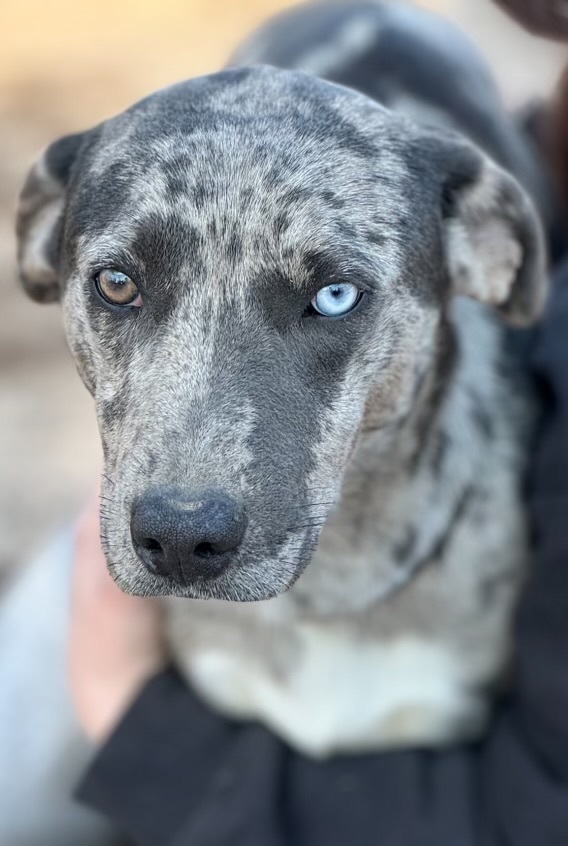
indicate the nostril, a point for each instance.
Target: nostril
{"x":204,"y":550}
{"x":151,"y":545}
{"x":152,"y":553}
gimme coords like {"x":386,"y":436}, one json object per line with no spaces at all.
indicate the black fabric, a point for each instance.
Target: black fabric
{"x":175,"y":774}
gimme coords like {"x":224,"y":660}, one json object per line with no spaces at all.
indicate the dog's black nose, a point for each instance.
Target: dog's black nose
{"x":186,"y":536}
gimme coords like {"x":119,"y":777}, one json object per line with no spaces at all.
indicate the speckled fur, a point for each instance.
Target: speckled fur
{"x":379,"y":456}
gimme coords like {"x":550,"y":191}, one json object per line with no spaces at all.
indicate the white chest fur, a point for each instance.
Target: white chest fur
{"x":346,"y":696}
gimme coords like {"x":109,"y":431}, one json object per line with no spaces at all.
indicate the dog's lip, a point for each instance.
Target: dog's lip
{"x":176,"y":576}
{"x":216,"y":586}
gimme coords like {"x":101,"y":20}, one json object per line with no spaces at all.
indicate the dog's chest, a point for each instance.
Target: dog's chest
{"x":344,"y":695}
{"x":409,"y":671}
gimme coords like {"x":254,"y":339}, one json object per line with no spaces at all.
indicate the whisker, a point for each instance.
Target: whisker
{"x":137,"y":459}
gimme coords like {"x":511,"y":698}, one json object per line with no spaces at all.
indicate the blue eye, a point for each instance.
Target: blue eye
{"x":336,"y":300}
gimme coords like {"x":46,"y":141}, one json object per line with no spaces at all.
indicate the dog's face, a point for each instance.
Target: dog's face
{"x":254,"y":268}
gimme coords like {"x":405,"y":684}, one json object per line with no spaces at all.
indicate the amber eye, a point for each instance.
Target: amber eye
{"x":117,"y":288}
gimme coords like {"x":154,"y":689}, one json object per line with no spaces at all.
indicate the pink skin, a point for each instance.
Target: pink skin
{"x":115,"y":641}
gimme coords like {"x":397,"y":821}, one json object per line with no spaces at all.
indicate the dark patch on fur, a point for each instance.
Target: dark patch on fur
{"x":201,"y":194}
{"x":281,"y":223}
{"x":376,"y":237}
{"x":441,"y":448}
{"x":165,"y":245}
{"x":294,"y":196}
{"x":442,"y":369}
{"x":490,"y":590}
{"x":437,"y":552}
{"x":403,"y":550}
{"x":176,"y":174}
{"x":234,"y":247}
{"x":331,"y":199}
{"x":460,"y":508}
{"x":346,"y":230}
{"x":113,"y":411}
{"x":273,"y":178}
{"x":481,"y":416}
{"x":98,"y":202}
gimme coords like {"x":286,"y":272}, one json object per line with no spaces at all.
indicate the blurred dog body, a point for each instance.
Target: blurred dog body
{"x":453,"y":572}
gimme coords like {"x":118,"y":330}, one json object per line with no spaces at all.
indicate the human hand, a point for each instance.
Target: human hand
{"x":115,"y":641}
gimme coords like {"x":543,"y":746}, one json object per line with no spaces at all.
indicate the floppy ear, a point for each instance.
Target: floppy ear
{"x":493,"y":237}
{"x":39,"y":221}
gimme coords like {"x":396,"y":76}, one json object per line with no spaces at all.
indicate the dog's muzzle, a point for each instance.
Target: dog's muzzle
{"x":187,"y":536}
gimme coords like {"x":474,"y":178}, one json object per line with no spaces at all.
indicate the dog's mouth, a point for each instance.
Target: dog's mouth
{"x":252,"y":578}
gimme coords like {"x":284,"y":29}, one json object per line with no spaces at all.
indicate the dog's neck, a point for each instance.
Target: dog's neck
{"x":406,"y":488}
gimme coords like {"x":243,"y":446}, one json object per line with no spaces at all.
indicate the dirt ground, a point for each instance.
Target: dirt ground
{"x":64,"y":66}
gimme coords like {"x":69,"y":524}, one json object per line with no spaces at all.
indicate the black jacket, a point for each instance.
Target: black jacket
{"x":176,"y":774}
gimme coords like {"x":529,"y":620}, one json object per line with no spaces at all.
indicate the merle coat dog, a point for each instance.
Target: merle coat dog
{"x":288,"y":304}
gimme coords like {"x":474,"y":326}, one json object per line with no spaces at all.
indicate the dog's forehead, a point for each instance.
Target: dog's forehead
{"x":247,"y":163}
{"x":253,"y":101}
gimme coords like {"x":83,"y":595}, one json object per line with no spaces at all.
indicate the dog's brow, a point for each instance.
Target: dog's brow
{"x":326,"y":266}
{"x":107,"y":253}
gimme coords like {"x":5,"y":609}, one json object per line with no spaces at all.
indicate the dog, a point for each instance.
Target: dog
{"x":286,"y":286}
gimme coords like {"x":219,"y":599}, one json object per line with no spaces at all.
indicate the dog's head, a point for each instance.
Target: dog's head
{"x":253,"y":268}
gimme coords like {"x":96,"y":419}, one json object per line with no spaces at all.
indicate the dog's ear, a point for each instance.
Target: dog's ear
{"x":494,"y":241}
{"x":39,"y":222}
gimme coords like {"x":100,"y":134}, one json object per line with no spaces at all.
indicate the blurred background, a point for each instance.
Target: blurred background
{"x":64,"y":66}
